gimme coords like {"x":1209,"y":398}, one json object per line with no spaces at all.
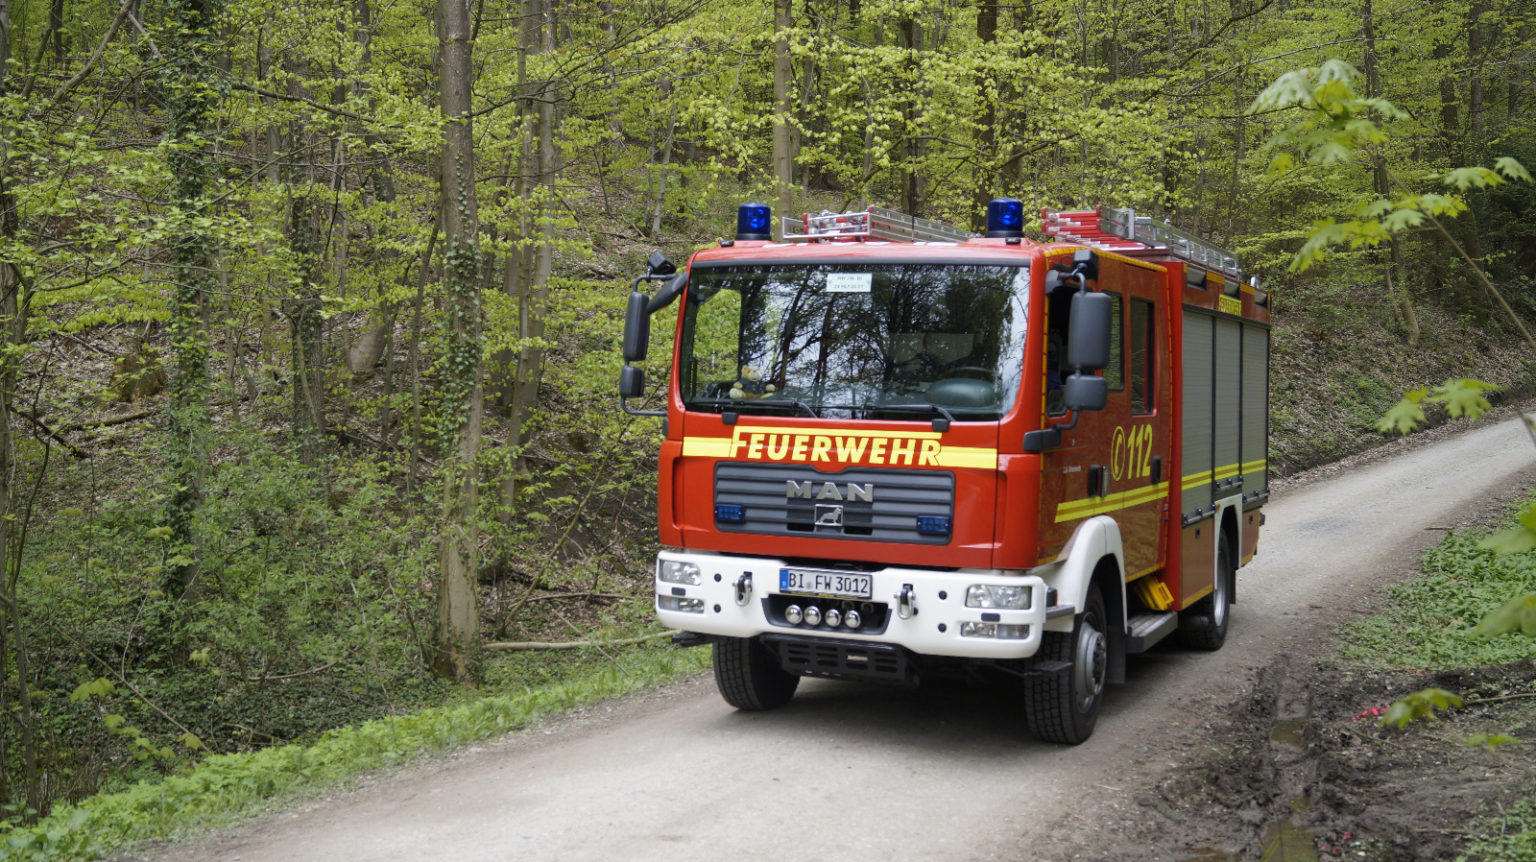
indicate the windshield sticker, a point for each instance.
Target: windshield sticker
{"x":849,"y":282}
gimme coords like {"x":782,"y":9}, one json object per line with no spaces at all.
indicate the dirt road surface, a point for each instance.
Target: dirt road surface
{"x":856,"y":772}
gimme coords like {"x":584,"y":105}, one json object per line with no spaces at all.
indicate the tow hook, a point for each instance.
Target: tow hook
{"x":906,"y":603}
{"x":744,"y":589}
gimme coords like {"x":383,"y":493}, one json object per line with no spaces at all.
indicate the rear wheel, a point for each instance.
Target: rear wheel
{"x":749,"y":676}
{"x":1203,"y":625}
{"x":1063,"y":707}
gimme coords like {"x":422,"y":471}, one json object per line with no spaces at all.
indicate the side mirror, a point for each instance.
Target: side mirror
{"x":1085,"y":392}
{"x":631,"y":382}
{"x":637,"y":327}
{"x":1088,"y":341}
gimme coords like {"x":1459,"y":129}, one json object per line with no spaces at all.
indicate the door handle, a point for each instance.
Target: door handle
{"x":1157,"y":469}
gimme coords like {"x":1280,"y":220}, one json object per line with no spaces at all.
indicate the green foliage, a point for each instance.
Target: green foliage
{"x":1491,"y":741}
{"x":1463,"y":397}
{"x":1434,"y":621}
{"x":1419,"y":706}
{"x":1509,"y":836}
{"x":222,"y":785}
{"x":1516,"y":615}
{"x":1338,"y":126}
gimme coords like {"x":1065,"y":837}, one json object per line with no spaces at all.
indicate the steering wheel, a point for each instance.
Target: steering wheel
{"x":989,"y":374}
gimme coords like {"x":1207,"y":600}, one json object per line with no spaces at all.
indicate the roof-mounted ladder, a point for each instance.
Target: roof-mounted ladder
{"x":876,"y":223}
{"x":1120,"y":229}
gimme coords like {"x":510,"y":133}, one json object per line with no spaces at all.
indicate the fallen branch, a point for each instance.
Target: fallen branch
{"x":1475,"y":701}
{"x":524,"y":646}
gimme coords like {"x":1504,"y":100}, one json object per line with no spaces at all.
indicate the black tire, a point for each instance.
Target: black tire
{"x":1203,"y":625}
{"x":749,"y":677}
{"x":1064,"y":707}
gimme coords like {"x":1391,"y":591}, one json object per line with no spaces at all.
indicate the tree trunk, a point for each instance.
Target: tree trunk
{"x":912,"y":189}
{"x":191,"y":101}
{"x":458,"y":619}
{"x":1394,"y":288}
{"x":783,"y":158}
{"x":987,"y":156}
{"x":13,"y":635}
{"x":527,"y":277}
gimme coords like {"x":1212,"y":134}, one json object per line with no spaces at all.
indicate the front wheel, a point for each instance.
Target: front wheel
{"x":1064,"y":707}
{"x":749,"y":676}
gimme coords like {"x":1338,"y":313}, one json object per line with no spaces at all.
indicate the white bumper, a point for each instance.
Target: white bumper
{"x":934,"y":627}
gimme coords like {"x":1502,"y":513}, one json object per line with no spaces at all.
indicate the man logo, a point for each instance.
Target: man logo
{"x":829,"y":516}
{"x":851,"y":492}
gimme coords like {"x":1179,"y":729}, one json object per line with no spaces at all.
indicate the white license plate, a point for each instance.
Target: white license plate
{"x":810,"y":582}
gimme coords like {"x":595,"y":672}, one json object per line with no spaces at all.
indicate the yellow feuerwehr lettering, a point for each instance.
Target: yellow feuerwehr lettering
{"x":798,"y":452}
{"x":820,"y":448}
{"x":851,"y":448}
{"x":877,"y":451}
{"x":755,"y":448}
{"x":929,"y":456}
{"x":902,"y":450}
{"x":778,"y":446}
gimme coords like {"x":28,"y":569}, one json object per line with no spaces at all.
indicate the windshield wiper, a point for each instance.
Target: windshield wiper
{"x":727,"y":404}
{"x":922,"y":407}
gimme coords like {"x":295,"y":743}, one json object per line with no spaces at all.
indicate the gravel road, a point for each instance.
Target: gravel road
{"x":855,"y":772}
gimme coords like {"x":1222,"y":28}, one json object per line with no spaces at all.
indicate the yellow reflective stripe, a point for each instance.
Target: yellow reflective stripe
{"x":1195,"y":479}
{"x":959,"y":456}
{"x":1088,"y":507}
{"x":1227,"y":471}
{"x":707,"y":447}
{"x":1256,"y":466}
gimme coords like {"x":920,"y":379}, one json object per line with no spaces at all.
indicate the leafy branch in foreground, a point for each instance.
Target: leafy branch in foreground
{"x":1419,"y":706}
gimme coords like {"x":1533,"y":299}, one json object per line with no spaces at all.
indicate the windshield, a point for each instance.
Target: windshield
{"x":857,"y":340}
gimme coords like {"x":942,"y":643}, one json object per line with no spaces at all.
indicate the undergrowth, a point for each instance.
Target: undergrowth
{"x":1429,"y":626}
{"x":1430,"y":622}
{"x":223,"y":786}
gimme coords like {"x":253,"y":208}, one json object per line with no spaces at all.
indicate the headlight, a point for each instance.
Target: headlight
{"x":1006,"y":597}
{"x":674,"y":572}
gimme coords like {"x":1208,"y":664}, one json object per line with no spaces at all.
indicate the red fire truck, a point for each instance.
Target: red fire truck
{"x":894,"y":450}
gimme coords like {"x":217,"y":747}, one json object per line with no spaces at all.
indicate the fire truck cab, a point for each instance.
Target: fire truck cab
{"x":894,"y":450}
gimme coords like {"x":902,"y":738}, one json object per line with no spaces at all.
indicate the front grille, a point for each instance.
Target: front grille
{"x":872,"y":505}
{"x":842,"y":659}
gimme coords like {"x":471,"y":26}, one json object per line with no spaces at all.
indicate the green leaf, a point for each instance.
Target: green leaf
{"x":1419,"y":706}
{"x":1491,"y":741}
{"x":1516,"y":615}
{"x":1464,"y":397}
{"x":113,"y":721}
{"x":1405,"y":415}
{"x":1512,"y":168}
{"x":95,"y":688}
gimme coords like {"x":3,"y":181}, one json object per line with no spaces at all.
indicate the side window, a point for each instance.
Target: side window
{"x":1114,"y":372}
{"x":1143,"y":355}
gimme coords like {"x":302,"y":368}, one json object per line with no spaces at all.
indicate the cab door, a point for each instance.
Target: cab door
{"x":1113,"y":461}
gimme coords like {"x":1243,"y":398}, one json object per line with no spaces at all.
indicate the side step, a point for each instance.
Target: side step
{"x":1147,"y":629}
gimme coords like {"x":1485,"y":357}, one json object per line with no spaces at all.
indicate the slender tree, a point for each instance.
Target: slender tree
{"x":458,"y":616}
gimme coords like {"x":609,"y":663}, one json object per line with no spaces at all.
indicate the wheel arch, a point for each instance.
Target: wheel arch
{"x":1231,"y":530}
{"x":1094,"y":555}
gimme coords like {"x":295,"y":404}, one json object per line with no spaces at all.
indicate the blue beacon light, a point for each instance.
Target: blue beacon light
{"x":752,"y":221}
{"x":1005,"y":217}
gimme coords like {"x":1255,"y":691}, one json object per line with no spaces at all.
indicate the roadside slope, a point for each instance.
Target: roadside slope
{"x":857,"y":772}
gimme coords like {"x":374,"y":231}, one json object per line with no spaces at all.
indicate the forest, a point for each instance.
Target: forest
{"x":309,"y":312}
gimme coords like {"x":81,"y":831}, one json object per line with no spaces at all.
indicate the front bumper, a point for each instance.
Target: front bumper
{"x":922,"y":610}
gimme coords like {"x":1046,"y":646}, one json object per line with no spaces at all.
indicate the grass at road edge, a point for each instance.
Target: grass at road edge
{"x":1428,"y":627}
{"x":225,"y":786}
